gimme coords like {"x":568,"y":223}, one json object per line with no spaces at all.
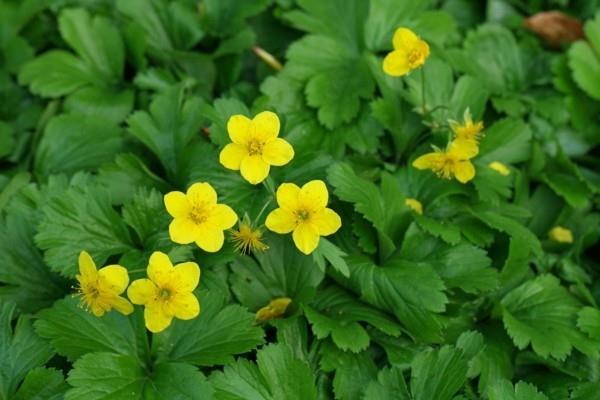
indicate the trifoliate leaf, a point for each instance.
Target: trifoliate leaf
{"x":212,"y":338}
{"x":543,"y":313}
{"x":585,"y":61}
{"x":168,"y":128}
{"x":42,"y":384}
{"x":20,"y":350}
{"x":347,"y":335}
{"x":80,"y":218}
{"x":503,"y":390}
{"x":74,"y":142}
{"x":280,"y":271}
{"x":438,"y":374}
{"x":74,"y":332}
{"x":277,"y":374}
{"x":412,"y":292}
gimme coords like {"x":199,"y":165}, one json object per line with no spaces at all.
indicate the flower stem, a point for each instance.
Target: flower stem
{"x":262,"y":210}
{"x":423,"y":102}
{"x":270,"y":185}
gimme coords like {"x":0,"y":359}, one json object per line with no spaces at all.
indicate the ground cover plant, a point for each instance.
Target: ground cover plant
{"x":299,"y":199}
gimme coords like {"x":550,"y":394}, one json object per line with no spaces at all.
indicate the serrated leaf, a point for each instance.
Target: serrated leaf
{"x":438,"y":374}
{"x":212,"y":338}
{"x":102,"y":103}
{"x":42,"y":384}
{"x":225,"y":17}
{"x":588,"y":321}
{"x":277,"y":374}
{"x":503,"y":390}
{"x":330,"y":252}
{"x":585,"y":61}
{"x":390,"y":384}
{"x":72,"y":143}
{"x":506,"y":141}
{"x":74,"y":332}
{"x":347,"y":335}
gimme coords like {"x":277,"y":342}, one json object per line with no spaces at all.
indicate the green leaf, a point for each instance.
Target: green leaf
{"x":218,"y":333}
{"x":507,"y":141}
{"x":584,"y":59}
{"x":7,"y":140}
{"x":178,"y":381}
{"x":353,"y":372}
{"x":330,"y":252}
{"x":412,"y":292}
{"x":74,"y":142}
{"x":100,"y":102}
{"x":56,"y":73}
{"x":503,"y":390}
{"x":97,"y":41}
{"x":20,"y":350}
{"x":347,"y":335}
{"x":172,"y":123}
{"x":226,"y":17}
{"x":280,"y":271}
{"x":438,"y":374}
{"x":80,"y":218}
{"x":589,"y":322}
{"x":74,"y":332}
{"x":42,"y":384}
{"x":543,"y":313}
{"x":219,"y":113}
{"x":277,"y":374}
{"x":390,"y":385}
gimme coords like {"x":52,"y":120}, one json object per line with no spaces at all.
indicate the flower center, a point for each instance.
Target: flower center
{"x":164,"y":294}
{"x":198,"y":214}
{"x":302,"y":215}
{"x":255,"y":147}
{"x":414,"y":58}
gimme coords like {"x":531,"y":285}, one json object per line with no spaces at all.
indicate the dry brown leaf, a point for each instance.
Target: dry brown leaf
{"x":555,"y":27}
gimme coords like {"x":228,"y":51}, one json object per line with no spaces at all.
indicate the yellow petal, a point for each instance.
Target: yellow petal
{"x":186,"y":306}
{"x":183,"y":230}
{"x":561,"y":235}
{"x":423,"y":49}
{"x":98,"y":310}
{"x":266,"y":124}
{"x":114,"y":278}
{"x":240,"y":128}
{"x":210,"y":239}
{"x":281,"y":221}
{"x":314,"y":194}
{"x":415,"y":205}
{"x":277,"y":152}
{"x":404,"y":38}
{"x":464,"y":149}
{"x":159,"y":268}
{"x":254,"y":169}
{"x":327,"y":221}
{"x":87,"y":267}
{"x":201,"y":192}
{"x":396,"y":63}
{"x":142,"y":291}
{"x":232,"y":155}
{"x":156,"y":319}
{"x":428,"y":161}
{"x":499,"y":167}
{"x":187,"y":275}
{"x":288,"y":195}
{"x":222,"y":217}
{"x":177,"y":204}
{"x":122,"y":305}
{"x":306,"y":238}
{"x":464,"y":172}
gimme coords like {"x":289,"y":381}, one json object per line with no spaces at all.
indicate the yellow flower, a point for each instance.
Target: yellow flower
{"x":561,"y":235}
{"x":247,"y":239}
{"x":255,"y":146}
{"x":415,"y":205}
{"x":499,"y":168}
{"x":168,"y":293}
{"x":453,"y":162}
{"x":100,"y":289}
{"x":275,"y":309}
{"x":468,"y":130}
{"x":410,"y":52}
{"x":304,"y":211}
{"x":198,"y":218}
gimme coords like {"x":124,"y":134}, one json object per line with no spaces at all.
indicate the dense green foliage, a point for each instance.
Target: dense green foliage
{"x":106,"y":105}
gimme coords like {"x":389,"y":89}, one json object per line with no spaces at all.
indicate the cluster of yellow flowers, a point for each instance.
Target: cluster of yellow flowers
{"x":167,"y":293}
{"x":198,"y":218}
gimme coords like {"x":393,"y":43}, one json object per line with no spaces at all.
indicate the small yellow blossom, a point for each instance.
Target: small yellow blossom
{"x":275,"y":309}
{"x":198,"y":218}
{"x":255,"y":146}
{"x":415,"y":205}
{"x":468,"y":130}
{"x":248,"y":240}
{"x":499,"y":168}
{"x":304,"y":211}
{"x":561,"y":235}
{"x":410,"y":52}
{"x":454,"y":162}
{"x":168,"y":293}
{"x":100,"y":289}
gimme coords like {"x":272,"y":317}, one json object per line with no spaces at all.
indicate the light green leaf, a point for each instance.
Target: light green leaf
{"x":438,"y":374}
{"x":219,"y":113}
{"x":390,"y":384}
{"x":212,"y":338}
{"x":74,"y":142}
{"x":277,"y":374}
{"x":507,"y":141}
{"x":100,"y":102}
{"x":330,"y":252}
{"x":584,"y":59}
{"x":503,"y":390}
{"x":589,"y":321}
